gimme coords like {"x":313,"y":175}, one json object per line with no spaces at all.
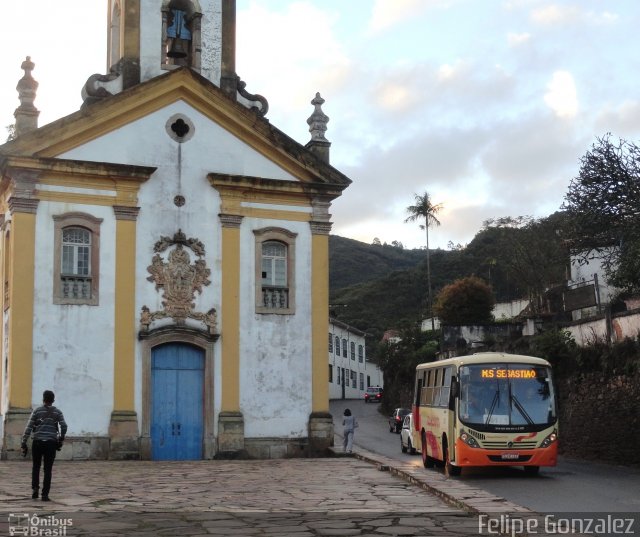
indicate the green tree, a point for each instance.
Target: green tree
{"x":466,"y":301}
{"x":530,"y":253}
{"x":398,"y":362}
{"x":603,"y":205}
{"x":425,"y":209}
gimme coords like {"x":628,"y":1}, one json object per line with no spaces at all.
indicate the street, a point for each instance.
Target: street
{"x":572,"y":486}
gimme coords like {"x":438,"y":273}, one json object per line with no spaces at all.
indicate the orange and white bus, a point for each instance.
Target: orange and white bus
{"x":488,"y":409}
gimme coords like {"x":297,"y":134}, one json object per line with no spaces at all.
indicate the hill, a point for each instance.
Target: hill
{"x":383,"y":287}
{"x":353,"y":262}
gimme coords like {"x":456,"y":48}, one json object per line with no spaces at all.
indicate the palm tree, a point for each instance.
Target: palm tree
{"x":425,"y":208}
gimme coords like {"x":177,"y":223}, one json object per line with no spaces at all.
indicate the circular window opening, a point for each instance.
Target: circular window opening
{"x":180,"y":128}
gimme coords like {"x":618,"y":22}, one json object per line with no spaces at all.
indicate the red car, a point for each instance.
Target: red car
{"x":373,"y":394}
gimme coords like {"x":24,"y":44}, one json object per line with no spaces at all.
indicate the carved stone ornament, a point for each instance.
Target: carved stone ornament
{"x":178,"y":279}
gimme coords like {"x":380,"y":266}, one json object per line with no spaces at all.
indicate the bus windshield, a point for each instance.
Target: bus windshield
{"x":503,"y":396}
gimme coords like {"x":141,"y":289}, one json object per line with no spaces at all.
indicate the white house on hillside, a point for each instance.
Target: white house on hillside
{"x":350,"y":374}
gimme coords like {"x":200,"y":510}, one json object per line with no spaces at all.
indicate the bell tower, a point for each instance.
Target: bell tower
{"x":148,"y":38}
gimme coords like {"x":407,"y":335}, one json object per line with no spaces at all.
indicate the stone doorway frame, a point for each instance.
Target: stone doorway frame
{"x":189,"y":336}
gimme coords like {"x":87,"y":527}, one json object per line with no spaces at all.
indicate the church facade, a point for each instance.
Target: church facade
{"x":164,"y":254}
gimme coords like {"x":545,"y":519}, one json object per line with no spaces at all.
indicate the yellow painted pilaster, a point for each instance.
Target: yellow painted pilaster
{"x":21,"y":293}
{"x":125,"y":314}
{"x":230,"y":314}
{"x":320,"y":316}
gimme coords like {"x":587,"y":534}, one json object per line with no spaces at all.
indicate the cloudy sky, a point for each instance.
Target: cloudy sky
{"x":486,"y":104}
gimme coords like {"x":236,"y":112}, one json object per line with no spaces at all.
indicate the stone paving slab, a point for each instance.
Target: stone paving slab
{"x":450,"y":490}
{"x":363,"y":495}
{"x":276,"y":498}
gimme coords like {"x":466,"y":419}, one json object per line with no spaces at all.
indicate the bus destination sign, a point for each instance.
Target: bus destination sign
{"x":508,"y":374}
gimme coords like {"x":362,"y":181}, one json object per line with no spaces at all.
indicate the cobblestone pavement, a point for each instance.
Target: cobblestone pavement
{"x":289,"y":498}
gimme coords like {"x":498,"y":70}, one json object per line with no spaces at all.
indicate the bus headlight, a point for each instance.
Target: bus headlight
{"x":468,"y":439}
{"x":549,"y":440}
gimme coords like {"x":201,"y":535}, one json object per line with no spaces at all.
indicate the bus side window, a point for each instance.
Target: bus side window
{"x":437,"y":382}
{"x":446,"y":388}
{"x":428,"y":389}
{"x":418,"y":392}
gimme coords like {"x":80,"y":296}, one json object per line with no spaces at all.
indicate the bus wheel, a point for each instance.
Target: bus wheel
{"x":531,"y":470}
{"x":427,"y":461}
{"x":450,"y":469}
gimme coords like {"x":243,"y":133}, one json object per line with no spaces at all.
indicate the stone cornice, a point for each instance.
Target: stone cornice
{"x":11,"y":165}
{"x":320,"y":228}
{"x":23,"y":205}
{"x":230,"y":220}
{"x":124,"y":212}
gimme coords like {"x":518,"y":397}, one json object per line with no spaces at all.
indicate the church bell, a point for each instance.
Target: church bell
{"x":177,"y":49}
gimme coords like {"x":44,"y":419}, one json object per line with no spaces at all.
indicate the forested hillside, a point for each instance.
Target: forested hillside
{"x":375,"y":288}
{"x":352,"y":262}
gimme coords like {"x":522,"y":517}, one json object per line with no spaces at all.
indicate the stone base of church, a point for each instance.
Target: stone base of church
{"x":123,"y":431}
{"x":83,"y":448}
{"x":320,"y":433}
{"x":230,"y":433}
{"x":15,"y":420}
{"x":124,"y":443}
{"x":276,"y":448}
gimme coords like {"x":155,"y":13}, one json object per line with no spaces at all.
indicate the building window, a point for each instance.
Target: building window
{"x":275,"y":259}
{"x":337,"y":375}
{"x":330,"y":373}
{"x":360,"y":353}
{"x":337,"y":346}
{"x":76,"y":259}
{"x":362,"y":381}
{"x":354,"y":380}
{"x":344,"y":348}
{"x":353,"y":350}
{"x":330,"y":342}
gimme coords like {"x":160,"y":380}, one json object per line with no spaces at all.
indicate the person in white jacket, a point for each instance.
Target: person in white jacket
{"x":349,"y":423}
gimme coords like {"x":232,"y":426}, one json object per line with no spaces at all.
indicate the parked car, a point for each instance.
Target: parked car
{"x":373,"y":393}
{"x":406,"y":435}
{"x":395,"y":420}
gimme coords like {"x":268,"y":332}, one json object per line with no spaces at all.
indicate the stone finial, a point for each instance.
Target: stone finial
{"x":26,"y":114}
{"x":318,"y":120}
{"x":318,"y":144}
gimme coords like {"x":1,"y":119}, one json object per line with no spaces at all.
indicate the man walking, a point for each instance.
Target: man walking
{"x":48,"y":428}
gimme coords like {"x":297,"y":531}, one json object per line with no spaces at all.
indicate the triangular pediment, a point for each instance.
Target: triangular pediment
{"x":118,"y":111}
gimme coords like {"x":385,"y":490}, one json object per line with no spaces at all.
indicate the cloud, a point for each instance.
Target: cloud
{"x":605,"y":17}
{"x":561,"y":95}
{"x":517,"y":39}
{"x":386,"y":14}
{"x":555,"y":14}
{"x":622,"y":120}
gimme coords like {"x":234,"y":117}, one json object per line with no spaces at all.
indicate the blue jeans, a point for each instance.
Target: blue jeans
{"x":47,"y":451}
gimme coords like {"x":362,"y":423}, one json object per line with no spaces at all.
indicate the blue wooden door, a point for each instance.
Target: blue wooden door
{"x":177,"y":385}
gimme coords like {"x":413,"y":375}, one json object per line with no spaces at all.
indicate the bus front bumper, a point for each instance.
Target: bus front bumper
{"x":470,"y":456}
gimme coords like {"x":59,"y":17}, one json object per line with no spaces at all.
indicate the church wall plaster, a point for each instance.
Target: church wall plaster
{"x":82,"y":381}
{"x":275,"y":386}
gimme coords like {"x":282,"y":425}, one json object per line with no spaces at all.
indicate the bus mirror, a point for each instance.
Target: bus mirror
{"x":455,"y":388}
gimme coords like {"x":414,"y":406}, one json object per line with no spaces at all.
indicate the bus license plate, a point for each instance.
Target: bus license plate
{"x":510,"y":456}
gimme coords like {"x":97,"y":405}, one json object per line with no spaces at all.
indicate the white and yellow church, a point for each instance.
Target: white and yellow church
{"x":164,"y":254}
